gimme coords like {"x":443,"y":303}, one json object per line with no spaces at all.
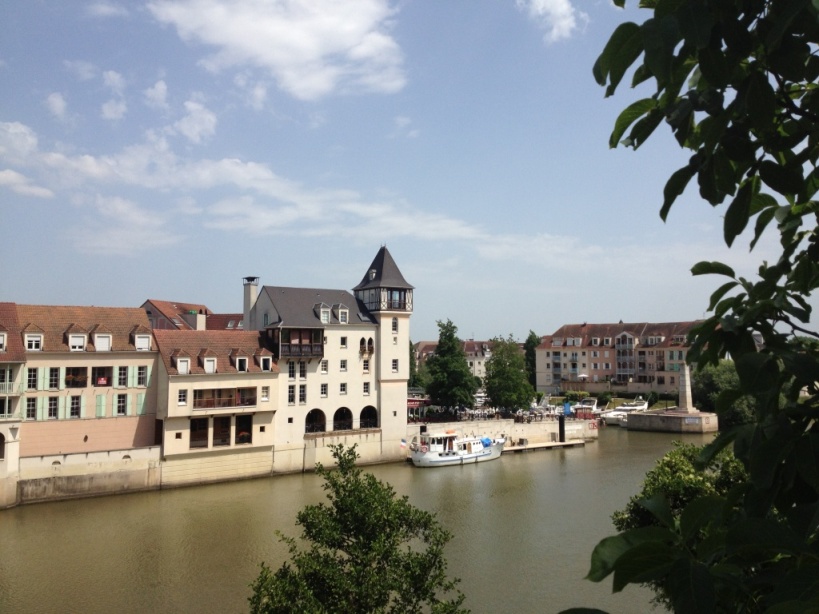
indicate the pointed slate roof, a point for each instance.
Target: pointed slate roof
{"x":386,"y":274}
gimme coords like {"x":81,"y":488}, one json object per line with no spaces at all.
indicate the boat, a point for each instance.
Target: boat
{"x":587,"y":405}
{"x":443,"y":449}
{"x":619,"y":415}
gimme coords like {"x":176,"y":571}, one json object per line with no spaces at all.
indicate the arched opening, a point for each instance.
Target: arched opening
{"x":369,"y":417}
{"x":315,"y":422}
{"x":343,"y":419}
{"x":362,"y":345}
{"x":370,"y":345}
{"x":2,"y":446}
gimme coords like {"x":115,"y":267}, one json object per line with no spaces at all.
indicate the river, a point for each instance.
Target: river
{"x":524,"y":527}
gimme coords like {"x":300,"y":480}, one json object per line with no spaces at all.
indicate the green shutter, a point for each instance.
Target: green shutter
{"x":61,"y":384}
{"x":128,"y":409}
{"x":100,"y":406}
{"x":131,"y":377}
{"x":61,"y":408}
{"x":141,"y":404}
{"x":42,"y":383}
{"x":148,"y":376}
{"x":82,"y":406}
{"x":40,"y":403}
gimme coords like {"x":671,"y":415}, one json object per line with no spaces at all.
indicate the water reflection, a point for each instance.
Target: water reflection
{"x":524,"y":528}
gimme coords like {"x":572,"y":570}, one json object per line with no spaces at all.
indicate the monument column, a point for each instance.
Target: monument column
{"x":686,"y":404}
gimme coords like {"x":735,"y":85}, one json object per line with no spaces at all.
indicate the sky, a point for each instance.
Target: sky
{"x":167,"y":149}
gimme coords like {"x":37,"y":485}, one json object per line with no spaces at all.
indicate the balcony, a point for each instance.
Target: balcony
{"x":11,"y":388}
{"x":224,"y":398}
{"x":290,"y":350}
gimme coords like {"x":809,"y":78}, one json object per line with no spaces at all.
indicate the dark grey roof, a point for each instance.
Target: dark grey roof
{"x":386,"y":273}
{"x":297,"y":306}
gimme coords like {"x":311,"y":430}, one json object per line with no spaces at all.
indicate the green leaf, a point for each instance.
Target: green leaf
{"x":629,"y":116}
{"x":698,"y":514}
{"x":785,"y":180}
{"x":624,"y":46}
{"x":609,"y":550}
{"x":643,"y":128}
{"x":674,"y":187}
{"x":660,"y":36}
{"x":643,"y":563}
{"x":696,"y":23}
{"x":658,"y":506}
{"x":691,"y":587}
{"x":782,"y":20}
{"x":739,"y":212}
{"x":763,"y":535}
{"x":720,"y":292}
{"x":760,"y":101}
{"x":717,"y":268}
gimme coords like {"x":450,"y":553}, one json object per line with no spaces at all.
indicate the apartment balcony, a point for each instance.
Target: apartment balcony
{"x":11,"y":416}
{"x":224,"y":398}
{"x":11,"y":388}
{"x":311,"y":350}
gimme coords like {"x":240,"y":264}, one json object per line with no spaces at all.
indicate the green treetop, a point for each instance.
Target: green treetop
{"x":506,"y":382}
{"x":530,"y":345}
{"x":450,"y":382}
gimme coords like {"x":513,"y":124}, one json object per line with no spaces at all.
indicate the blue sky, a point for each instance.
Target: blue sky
{"x":166,"y":149}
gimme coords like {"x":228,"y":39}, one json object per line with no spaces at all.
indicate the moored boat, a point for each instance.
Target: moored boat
{"x":619,"y":415}
{"x":442,"y":449}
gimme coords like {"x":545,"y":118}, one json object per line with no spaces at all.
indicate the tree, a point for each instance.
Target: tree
{"x":529,"y":346}
{"x":710,"y":381}
{"x":736,"y":83}
{"x":414,"y":378}
{"x":506,"y":382}
{"x":451,"y":383}
{"x":368,"y":551}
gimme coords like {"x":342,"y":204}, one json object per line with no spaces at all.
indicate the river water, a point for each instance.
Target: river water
{"x":524,"y":527}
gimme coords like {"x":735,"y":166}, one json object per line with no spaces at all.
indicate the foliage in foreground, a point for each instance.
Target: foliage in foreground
{"x":736,"y":81}
{"x":367,"y":551}
{"x":710,"y":381}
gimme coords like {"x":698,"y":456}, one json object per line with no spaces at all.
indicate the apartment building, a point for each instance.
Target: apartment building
{"x":635,"y":357}
{"x":477,"y":354}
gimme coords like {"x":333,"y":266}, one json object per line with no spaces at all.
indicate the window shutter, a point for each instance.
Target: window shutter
{"x":148,"y":377}
{"x":100,"y":406}
{"x":40,"y":403}
{"x":82,"y":406}
{"x":131,"y":377}
{"x":141,"y":404}
{"x":61,"y":383}
{"x":61,"y":408}
{"x":128,"y":409}
{"x":42,"y":374}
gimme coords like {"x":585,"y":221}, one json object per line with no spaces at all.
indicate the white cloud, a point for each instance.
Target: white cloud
{"x":120,"y":226}
{"x":156,"y":96}
{"x":559,"y":18}
{"x":255,"y":92}
{"x":82,"y":70}
{"x":18,"y":142}
{"x":106,"y":9}
{"x":22,"y":185}
{"x":402,"y":128}
{"x":311,"y":48}
{"x":114,"y":109}
{"x":114,"y":81}
{"x":198,"y":124}
{"x":56,"y":105}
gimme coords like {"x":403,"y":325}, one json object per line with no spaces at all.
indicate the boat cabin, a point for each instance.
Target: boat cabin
{"x":448,"y":443}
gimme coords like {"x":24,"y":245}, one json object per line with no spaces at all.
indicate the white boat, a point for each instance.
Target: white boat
{"x":588,"y":405}
{"x":619,"y":415}
{"x":442,"y":449}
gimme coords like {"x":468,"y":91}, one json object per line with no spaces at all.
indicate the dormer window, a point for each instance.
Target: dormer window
{"x":34,"y":343}
{"x":606,"y":340}
{"x":342,"y":316}
{"x":76,"y":343}
{"x":210,"y":365}
{"x":595,"y":340}
{"x":142,"y":342}
{"x":102,"y":343}
{"x":325,"y":316}
{"x":183,"y":366}
{"x":265,"y":363}
{"x":241,"y":364}
{"x":372,"y":274}
{"x":2,"y":342}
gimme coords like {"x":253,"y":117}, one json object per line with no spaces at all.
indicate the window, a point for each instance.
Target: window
{"x":607,"y":365}
{"x":122,"y":404}
{"x":241,"y":365}
{"x":302,"y":394}
{"x":142,"y":343}
{"x":366,"y":388}
{"x":183,"y":366}
{"x":199,"y":433}
{"x":266,"y":362}
{"x":325,"y":316}
{"x":122,"y":377}
{"x":244,"y":429}
{"x":31,"y":409}
{"x":366,"y":365}
{"x":344,"y":342}
{"x":395,"y":365}
{"x":395,"y":325}
{"x":76,"y":343}
{"x":182,"y":397}
{"x":210,"y":365}
{"x":142,"y":376}
{"x":31,"y":380}
{"x":302,"y":370}
{"x":324,"y":390}
{"x":671,"y":380}
{"x":343,"y":365}
{"x":76,"y":406}
{"x":342,"y":388}
{"x":606,"y":340}
{"x":342,"y":316}
{"x":325,"y":365}
{"x":265,"y":393}
{"x":221,"y":431}
{"x":291,"y":370}
{"x":102,"y":343}
{"x":2,"y":342}
{"x":34,"y":343}
{"x":291,"y":394}
{"x":266,"y":319}
{"x":54,"y":378}
{"x":53,"y":404}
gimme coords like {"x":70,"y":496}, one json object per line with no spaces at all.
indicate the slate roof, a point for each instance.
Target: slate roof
{"x":15,"y":349}
{"x":225,"y":345}
{"x":386,"y":275}
{"x":295,"y":307}
{"x":55,"y":321}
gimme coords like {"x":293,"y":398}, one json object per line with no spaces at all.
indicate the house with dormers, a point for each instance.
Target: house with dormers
{"x":636,"y":357}
{"x":178,"y":315}
{"x":343,"y":360}
{"x":217,"y":395}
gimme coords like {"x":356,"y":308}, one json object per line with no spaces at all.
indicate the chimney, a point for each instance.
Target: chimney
{"x":251,"y":293}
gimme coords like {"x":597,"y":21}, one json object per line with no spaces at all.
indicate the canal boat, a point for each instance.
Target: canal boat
{"x":443,"y":449}
{"x":619,"y":415}
{"x":587,"y":405}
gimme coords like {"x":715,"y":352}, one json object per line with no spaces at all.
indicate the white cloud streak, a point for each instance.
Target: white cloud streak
{"x":198,"y":124}
{"x":156,"y":96}
{"x":22,"y":185}
{"x":55,"y":102}
{"x":559,"y":18}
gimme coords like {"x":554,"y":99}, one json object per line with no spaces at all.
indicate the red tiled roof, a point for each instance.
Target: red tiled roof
{"x":225,"y":345}
{"x":15,"y":350}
